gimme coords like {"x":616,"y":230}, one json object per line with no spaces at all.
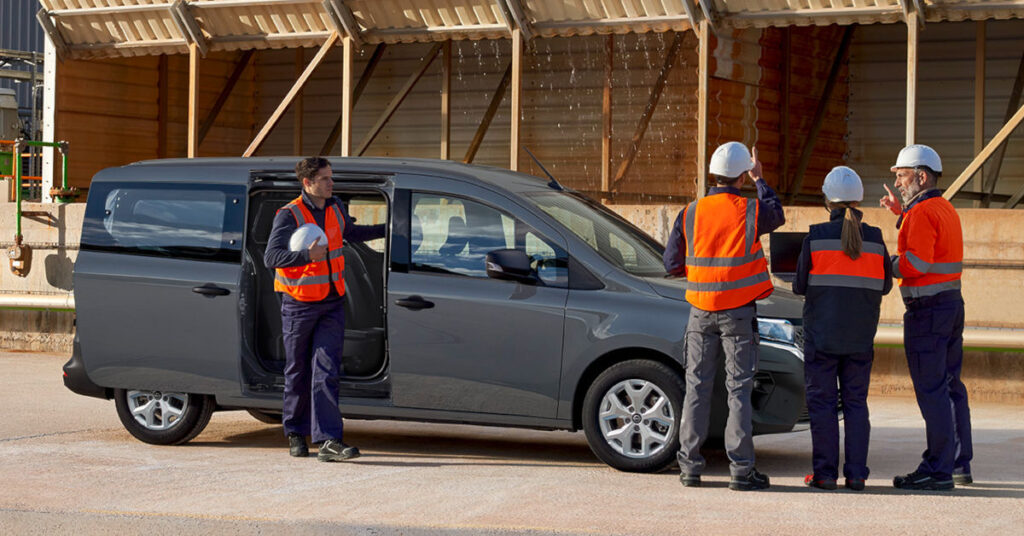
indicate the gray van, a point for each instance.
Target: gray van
{"x":496,"y":298}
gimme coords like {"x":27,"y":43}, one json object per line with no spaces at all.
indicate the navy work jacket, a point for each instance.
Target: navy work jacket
{"x":840,"y":320}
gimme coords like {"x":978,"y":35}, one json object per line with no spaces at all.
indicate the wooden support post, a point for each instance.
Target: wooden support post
{"x":193,"y":100}
{"x":985,"y":153}
{"x":979,"y":103}
{"x":290,"y":96}
{"x":703,"y":54}
{"x":347,"y":100}
{"x":606,"y":114}
{"x":299,"y":109}
{"x":997,"y":159}
{"x":485,"y":122}
{"x":162,"y":107}
{"x":332,"y":138}
{"x":787,"y":77}
{"x":645,"y":118}
{"x":911,"y":77}
{"x":446,"y":101}
{"x":517,"y":94}
{"x":225,"y":92}
{"x":819,"y":115}
{"x":396,"y":101}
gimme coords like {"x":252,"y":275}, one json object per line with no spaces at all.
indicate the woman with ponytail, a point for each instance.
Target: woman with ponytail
{"x":843,"y":272}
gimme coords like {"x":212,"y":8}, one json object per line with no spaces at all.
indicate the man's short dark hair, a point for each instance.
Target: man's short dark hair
{"x":307,"y":167}
{"x":933,"y":176}
{"x":725,"y":180}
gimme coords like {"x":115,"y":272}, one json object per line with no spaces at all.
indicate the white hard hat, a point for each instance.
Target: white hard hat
{"x":730,"y":160}
{"x":842,"y":185}
{"x":913,"y":156}
{"x":304,"y":236}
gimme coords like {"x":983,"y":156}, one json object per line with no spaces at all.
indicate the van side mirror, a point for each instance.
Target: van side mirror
{"x":510,"y":265}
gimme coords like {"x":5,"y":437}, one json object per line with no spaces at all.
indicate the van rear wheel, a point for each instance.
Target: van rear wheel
{"x":161,"y":417}
{"x":631,"y":415}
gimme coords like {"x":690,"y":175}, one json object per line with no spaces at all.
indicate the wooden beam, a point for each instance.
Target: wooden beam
{"x":162,"y":107}
{"x":193,"y":100}
{"x":787,"y":77}
{"x":364,"y":78}
{"x":819,"y":114}
{"x":396,"y":101}
{"x":299,"y":108}
{"x":56,"y":39}
{"x":606,"y":114}
{"x":188,"y":26}
{"x":446,"y":101}
{"x":999,"y":138}
{"x":645,"y":118}
{"x":518,"y":14}
{"x":997,"y":159}
{"x":485,"y":122}
{"x":290,"y":96}
{"x":225,"y":92}
{"x":342,"y":19}
{"x":911,"y":77}
{"x":707,"y":7}
{"x":979,"y":102}
{"x":693,"y":12}
{"x":704,"y":55}
{"x":347,"y":99}
{"x":517,"y":95}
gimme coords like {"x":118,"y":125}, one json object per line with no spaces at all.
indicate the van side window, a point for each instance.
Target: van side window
{"x":201,"y":222}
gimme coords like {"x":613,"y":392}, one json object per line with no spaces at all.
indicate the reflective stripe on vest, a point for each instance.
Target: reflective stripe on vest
{"x":312,"y":282}
{"x":929,"y":290}
{"x":831,"y":267}
{"x":931,"y":227}
{"x":725,"y":265}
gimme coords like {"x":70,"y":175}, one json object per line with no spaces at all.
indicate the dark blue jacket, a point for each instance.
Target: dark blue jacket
{"x":278,"y":255}
{"x":840,"y":320}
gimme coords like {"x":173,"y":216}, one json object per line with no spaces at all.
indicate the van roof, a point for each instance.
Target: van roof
{"x":237,"y":170}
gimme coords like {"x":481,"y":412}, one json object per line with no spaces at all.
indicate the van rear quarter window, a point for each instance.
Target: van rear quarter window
{"x":188,"y":221}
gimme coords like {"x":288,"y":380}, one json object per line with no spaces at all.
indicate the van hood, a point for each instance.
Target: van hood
{"x":781,"y":304}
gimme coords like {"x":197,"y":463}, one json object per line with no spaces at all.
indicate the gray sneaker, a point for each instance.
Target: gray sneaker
{"x":333,"y":450}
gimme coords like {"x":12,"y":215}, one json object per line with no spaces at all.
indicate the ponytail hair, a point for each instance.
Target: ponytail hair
{"x":852,"y":240}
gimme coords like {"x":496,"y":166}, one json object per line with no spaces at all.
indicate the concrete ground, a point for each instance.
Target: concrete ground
{"x":67,"y":466}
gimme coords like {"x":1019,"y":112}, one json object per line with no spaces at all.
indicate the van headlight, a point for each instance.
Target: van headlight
{"x":775,"y":329}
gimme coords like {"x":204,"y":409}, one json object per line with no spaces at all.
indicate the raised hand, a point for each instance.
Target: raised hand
{"x":755,"y":171}
{"x":890,"y":201}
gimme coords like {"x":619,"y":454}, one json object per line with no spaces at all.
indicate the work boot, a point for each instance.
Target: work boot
{"x":690,"y":481}
{"x":297,"y":446}
{"x":820,"y":483}
{"x":751,"y":481}
{"x":962,"y":477}
{"x":921,"y":481}
{"x":855,"y":484}
{"x":333,"y":450}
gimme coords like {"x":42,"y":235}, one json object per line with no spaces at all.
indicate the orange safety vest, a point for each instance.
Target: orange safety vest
{"x":312,"y":282}
{"x":831,"y":267}
{"x":931,"y":249}
{"x":725,"y":266}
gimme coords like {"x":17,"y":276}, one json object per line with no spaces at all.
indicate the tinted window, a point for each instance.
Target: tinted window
{"x":201,"y":222}
{"x":453,"y":235}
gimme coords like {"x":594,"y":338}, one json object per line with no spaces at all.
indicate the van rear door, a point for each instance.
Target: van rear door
{"x":156,"y":285}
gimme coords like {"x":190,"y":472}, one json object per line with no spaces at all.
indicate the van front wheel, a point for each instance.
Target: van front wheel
{"x":161,"y":417}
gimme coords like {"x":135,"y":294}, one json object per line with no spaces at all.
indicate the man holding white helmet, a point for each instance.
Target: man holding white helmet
{"x":843,"y":271}
{"x":714,"y":244}
{"x":930,"y":261}
{"x":305,"y":249}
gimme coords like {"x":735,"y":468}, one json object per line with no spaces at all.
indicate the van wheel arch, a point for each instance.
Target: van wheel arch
{"x":608,"y":360}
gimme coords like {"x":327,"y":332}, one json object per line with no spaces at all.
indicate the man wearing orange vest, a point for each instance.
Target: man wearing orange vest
{"x":931,"y":252}
{"x":312,"y":310}
{"x":714,"y":244}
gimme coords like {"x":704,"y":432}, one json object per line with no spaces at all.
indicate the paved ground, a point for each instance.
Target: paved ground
{"x":67,"y":466}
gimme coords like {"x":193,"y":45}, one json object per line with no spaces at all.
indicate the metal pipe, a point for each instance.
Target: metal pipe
{"x":973,"y":337}
{"x":60,"y":302}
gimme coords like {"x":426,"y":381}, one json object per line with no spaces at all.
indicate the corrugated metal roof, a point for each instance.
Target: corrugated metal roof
{"x":142,"y":27}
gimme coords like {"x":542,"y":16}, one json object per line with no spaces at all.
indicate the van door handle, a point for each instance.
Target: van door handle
{"x":414,"y":302}
{"x":211,"y":290}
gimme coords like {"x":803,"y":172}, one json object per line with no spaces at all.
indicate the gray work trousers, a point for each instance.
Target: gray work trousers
{"x":735,"y":329}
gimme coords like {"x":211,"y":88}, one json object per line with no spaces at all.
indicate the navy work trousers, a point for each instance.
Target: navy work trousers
{"x":314,"y":336}
{"x":822,"y":371}
{"x":933,"y":329}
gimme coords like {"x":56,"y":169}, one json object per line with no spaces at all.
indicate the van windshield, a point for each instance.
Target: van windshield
{"x":611,"y":236}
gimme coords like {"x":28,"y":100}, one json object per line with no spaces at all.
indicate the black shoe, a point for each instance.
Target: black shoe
{"x":333,"y":450}
{"x":297,"y":446}
{"x":961,"y":478}
{"x":820,"y":483}
{"x":752,"y":481}
{"x":690,"y":481}
{"x":856,"y":484}
{"x":922,"y":481}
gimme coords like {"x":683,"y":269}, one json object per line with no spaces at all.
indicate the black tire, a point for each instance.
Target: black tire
{"x":615,"y":382}
{"x":265,"y":416}
{"x":189,"y":415}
